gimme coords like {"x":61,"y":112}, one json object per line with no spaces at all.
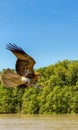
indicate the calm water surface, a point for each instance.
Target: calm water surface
{"x":38,"y":122}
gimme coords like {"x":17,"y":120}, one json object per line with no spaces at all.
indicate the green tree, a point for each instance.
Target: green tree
{"x":30,"y":103}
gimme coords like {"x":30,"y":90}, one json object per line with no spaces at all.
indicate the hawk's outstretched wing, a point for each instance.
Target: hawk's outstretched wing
{"x":24,"y":63}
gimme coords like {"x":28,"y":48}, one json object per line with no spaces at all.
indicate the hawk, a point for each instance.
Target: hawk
{"x":25,"y":74}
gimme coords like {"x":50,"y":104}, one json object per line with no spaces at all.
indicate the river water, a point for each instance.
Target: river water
{"x":38,"y":122}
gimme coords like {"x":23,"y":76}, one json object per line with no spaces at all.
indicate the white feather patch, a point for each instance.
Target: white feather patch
{"x":26,"y":80}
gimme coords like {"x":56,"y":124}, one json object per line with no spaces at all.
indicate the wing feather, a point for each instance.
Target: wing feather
{"x":24,"y":63}
{"x":19,"y":52}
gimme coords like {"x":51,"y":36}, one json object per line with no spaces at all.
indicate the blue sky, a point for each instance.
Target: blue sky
{"x":46,"y":29}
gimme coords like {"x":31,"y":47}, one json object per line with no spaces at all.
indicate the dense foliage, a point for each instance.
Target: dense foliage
{"x":55,"y":92}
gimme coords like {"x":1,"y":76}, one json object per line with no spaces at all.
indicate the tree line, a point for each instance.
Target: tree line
{"x":56,"y":92}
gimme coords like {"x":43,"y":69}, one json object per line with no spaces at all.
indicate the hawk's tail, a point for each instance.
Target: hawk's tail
{"x":10,"y":79}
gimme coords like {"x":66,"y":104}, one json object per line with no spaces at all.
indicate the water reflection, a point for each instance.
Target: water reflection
{"x":38,"y":122}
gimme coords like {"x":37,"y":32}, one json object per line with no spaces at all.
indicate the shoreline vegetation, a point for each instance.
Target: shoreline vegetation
{"x":56,"y":92}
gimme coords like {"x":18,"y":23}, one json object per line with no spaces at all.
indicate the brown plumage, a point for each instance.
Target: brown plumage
{"x":25,"y":74}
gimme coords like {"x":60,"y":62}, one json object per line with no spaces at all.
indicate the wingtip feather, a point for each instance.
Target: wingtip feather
{"x":14,"y":47}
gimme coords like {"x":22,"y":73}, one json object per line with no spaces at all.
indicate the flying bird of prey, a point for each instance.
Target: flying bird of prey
{"x":25,"y":74}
